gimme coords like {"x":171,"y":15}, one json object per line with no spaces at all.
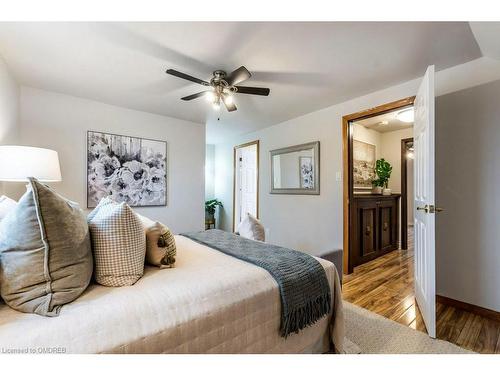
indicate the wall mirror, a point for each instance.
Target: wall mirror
{"x":295,"y":169}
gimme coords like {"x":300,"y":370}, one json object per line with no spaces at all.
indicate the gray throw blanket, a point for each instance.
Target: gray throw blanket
{"x":304,"y":288}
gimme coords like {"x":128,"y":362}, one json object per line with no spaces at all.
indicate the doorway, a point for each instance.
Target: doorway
{"x":245,"y":182}
{"x":407,"y":192}
{"x":378,"y":219}
{"x":380,"y":260}
{"x":370,"y":220}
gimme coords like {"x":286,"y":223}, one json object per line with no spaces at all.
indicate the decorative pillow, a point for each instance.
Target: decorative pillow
{"x":160,"y":243}
{"x":6,"y":205}
{"x":252,"y":229}
{"x":45,"y":254}
{"x":118,"y":243}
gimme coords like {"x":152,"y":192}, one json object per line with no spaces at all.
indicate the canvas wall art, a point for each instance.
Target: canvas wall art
{"x":128,"y":169}
{"x":363,"y":164}
{"x":306,"y":172}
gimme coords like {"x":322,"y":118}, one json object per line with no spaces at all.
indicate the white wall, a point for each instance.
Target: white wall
{"x":60,"y":122}
{"x":314,"y":224}
{"x":9,"y":105}
{"x":467,"y":183}
{"x":9,"y":113}
{"x":311,"y":223}
{"x":209,"y":171}
{"x":390,"y":150}
{"x":360,"y":133}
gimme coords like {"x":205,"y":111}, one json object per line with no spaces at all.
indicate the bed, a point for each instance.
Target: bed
{"x":209,"y":303}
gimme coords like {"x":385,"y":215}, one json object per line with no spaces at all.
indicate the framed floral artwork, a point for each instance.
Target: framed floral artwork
{"x":363,"y":160}
{"x":306,"y":172}
{"x":127,"y":169}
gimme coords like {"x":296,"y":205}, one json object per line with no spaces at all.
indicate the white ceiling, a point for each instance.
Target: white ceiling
{"x":487,"y":35}
{"x":307,"y":66}
{"x":377,"y":123}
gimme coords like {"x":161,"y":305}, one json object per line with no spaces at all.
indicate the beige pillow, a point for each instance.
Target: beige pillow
{"x":118,"y":243}
{"x":160,"y":243}
{"x":252,"y":229}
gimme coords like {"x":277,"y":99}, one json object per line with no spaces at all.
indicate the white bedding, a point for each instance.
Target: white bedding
{"x":209,"y":303}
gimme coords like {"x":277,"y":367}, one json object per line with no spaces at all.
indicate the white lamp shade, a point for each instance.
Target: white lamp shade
{"x":17,"y":163}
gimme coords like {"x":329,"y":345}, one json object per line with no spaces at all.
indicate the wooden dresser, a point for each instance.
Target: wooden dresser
{"x":374,"y":227}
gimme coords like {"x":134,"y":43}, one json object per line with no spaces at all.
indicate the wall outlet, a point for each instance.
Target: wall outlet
{"x":338,"y":176}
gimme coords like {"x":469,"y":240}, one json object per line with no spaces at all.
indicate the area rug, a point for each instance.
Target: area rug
{"x":369,"y":333}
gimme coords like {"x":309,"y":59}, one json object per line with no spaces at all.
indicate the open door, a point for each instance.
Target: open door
{"x":425,"y":236}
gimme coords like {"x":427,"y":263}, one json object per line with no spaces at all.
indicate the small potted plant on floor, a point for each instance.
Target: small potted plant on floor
{"x":383,"y":169}
{"x":210,"y":207}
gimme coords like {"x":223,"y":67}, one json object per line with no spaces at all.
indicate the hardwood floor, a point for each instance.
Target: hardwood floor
{"x":385,"y":286}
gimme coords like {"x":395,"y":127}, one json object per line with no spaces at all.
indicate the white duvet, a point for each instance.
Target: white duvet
{"x":209,"y":303}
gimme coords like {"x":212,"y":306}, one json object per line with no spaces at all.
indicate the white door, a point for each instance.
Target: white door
{"x":246,"y":183}
{"x":425,"y":237}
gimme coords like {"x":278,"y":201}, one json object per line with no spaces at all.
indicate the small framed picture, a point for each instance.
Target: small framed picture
{"x":306,"y":172}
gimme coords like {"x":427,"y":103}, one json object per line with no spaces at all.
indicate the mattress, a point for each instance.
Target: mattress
{"x":209,"y":303}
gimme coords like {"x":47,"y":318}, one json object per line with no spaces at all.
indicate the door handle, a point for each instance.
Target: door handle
{"x":433,"y":209}
{"x":430,"y":208}
{"x":425,"y":208}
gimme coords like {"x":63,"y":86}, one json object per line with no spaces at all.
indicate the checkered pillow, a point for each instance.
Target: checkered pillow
{"x":118,"y":242}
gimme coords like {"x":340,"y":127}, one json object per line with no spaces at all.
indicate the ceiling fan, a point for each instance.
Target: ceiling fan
{"x":222,"y":87}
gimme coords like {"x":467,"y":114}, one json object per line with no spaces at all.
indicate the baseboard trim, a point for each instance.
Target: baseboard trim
{"x":482,"y":311}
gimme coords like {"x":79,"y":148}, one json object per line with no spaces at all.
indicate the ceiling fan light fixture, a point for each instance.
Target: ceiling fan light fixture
{"x":210,"y":96}
{"x":222,"y":87}
{"x":228,"y":99}
{"x":408,"y":115}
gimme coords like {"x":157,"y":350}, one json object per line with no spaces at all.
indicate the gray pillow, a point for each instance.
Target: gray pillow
{"x":45,"y":254}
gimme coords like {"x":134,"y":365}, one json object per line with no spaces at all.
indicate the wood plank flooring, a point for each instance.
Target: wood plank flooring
{"x":385,"y":286}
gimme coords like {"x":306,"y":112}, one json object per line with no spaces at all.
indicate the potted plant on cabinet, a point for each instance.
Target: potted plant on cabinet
{"x":383,"y":169}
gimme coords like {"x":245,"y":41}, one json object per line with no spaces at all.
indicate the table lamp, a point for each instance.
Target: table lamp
{"x":17,"y":163}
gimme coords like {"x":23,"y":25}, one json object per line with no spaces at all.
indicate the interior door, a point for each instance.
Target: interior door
{"x":248,"y":181}
{"x":425,"y":237}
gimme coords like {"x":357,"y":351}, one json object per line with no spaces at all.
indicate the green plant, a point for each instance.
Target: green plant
{"x":211,"y":204}
{"x":383,"y":170}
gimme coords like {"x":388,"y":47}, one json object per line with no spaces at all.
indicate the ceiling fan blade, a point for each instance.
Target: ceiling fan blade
{"x":253,"y":90}
{"x":194,"y":96}
{"x":229,"y":106}
{"x":239,"y":75}
{"x":187,"y":76}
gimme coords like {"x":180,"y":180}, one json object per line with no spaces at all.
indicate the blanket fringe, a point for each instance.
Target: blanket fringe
{"x":305,"y":315}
